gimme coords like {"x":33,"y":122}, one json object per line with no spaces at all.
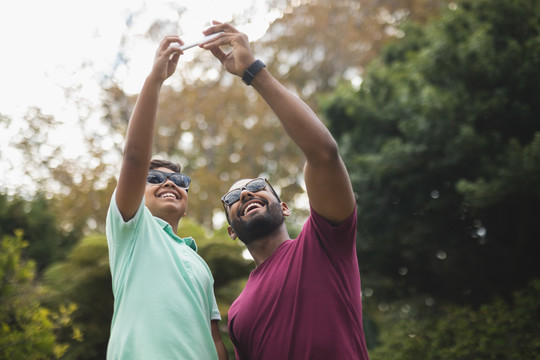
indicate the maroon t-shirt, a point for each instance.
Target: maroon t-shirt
{"x":304,"y":301}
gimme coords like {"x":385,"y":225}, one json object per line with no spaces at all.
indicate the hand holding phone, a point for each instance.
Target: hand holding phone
{"x":200,"y":41}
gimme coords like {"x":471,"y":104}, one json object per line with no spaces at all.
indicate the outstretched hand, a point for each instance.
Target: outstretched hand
{"x":241,"y":55}
{"x":166,"y":58}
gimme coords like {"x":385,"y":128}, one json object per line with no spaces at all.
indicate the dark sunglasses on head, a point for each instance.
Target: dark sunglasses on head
{"x":156,"y":177}
{"x":252,"y":186}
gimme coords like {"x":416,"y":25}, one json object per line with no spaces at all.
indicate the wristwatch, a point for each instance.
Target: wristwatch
{"x":251,"y":71}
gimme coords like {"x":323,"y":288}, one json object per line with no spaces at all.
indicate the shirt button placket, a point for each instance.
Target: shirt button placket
{"x":187,"y":263}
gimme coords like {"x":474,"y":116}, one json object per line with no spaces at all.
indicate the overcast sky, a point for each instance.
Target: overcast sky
{"x":44,"y":43}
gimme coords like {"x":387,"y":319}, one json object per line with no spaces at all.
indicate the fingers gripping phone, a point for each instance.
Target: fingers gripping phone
{"x":201,"y":40}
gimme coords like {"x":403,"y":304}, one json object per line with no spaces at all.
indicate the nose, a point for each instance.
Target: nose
{"x":168,"y":182}
{"x":245,"y":194}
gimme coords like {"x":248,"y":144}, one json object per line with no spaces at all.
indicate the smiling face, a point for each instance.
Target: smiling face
{"x":255,"y":214}
{"x":166,"y":200}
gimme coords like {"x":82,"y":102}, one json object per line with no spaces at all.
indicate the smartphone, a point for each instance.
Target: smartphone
{"x":202,"y":40}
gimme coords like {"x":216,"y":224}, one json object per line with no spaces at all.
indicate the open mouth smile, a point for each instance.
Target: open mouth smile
{"x":168,"y":195}
{"x":252,"y":205}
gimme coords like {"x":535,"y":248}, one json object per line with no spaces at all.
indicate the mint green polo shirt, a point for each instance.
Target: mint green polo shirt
{"x":163,"y":291}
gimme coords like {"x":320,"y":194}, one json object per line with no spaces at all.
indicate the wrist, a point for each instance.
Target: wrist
{"x":252,"y":71}
{"x":154,"y":78}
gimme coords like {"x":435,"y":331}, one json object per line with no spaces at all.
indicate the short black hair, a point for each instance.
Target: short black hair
{"x":157,"y":163}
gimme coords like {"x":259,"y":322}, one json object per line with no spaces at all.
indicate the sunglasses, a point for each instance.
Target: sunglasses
{"x":252,"y":186}
{"x":156,"y":177}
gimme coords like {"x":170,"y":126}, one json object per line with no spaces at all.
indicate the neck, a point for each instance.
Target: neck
{"x":173,"y":221}
{"x":262,"y":248}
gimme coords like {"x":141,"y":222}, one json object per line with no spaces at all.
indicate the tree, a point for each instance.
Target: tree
{"x":76,"y":187}
{"x":496,"y":330}
{"x":315,"y":43}
{"x":443,"y":142}
{"x":28,"y":330}
{"x":80,"y":186}
{"x":84,"y":278}
{"x":37,"y":218}
{"x":205,"y":114}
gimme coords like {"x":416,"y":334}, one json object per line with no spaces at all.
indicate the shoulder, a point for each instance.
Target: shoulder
{"x":315,"y":220}
{"x":319,"y":231}
{"x":116,"y":227}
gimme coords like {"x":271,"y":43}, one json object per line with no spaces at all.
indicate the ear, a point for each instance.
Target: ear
{"x":231,"y":232}
{"x":285,"y":209}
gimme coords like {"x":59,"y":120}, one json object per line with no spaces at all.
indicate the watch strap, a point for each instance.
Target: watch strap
{"x":251,"y":71}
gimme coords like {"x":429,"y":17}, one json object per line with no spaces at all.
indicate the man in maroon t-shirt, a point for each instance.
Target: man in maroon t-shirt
{"x":303,"y":299}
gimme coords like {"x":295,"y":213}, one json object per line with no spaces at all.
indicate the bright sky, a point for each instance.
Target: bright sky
{"x":51,"y":44}
{"x":44,"y":42}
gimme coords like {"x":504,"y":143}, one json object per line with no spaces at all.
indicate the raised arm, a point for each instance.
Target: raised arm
{"x":327,"y":181}
{"x":140,"y":133}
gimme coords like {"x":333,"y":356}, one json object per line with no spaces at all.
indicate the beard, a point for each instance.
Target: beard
{"x":260,"y":224}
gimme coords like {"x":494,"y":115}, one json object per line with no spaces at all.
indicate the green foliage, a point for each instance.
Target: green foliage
{"x":441,"y":142}
{"x":84,"y":278}
{"x":496,"y":330}
{"x":47,"y":241}
{"x":347,"y":36}
{"x":27,"y":329}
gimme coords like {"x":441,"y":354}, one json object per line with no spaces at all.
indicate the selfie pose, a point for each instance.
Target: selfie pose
{"x":303,"y":299}
{"x":164,"y":303}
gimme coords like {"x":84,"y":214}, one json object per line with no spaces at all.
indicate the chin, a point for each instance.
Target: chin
{"x":258,"y":225}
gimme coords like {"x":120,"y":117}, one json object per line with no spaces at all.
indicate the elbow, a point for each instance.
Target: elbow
{"x":326,"y":152}
{"x":134,"y":157}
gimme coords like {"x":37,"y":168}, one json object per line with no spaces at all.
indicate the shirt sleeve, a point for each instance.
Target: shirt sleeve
{"x":116,"y":228}
{"x":215,"y":315}
{"x":340,"y":239}
{"x":120,"y":235}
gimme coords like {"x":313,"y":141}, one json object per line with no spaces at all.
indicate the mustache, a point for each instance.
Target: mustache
{"x":241,"y":207}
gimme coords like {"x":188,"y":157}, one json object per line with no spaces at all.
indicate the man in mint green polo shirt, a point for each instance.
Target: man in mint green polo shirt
{"x":164,"y":303}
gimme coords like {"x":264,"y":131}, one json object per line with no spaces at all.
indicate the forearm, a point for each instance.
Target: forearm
{"x":218,"y":341}
{"x":327,"y":181}
{"x":137,"y":150}
{"x":298,"y":119}
{"x":140,"y":134}
{"x":221,"y":351}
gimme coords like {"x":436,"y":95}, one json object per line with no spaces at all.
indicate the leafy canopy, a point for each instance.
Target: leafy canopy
{"x":443,"y":145}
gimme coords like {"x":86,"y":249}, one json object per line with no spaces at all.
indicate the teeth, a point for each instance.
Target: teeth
{"x":168,"y":195}
{"x":252,"y":206}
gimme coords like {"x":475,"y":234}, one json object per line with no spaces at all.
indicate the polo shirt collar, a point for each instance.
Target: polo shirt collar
{"x":168,"y":229}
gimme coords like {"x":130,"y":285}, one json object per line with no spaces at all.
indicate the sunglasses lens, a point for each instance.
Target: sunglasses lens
{"x":252,"y":186}
{"x":232,"y":197}
{"x":155,"y":178}
{"x":255,"y":185}
{"x":181,"y":180}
